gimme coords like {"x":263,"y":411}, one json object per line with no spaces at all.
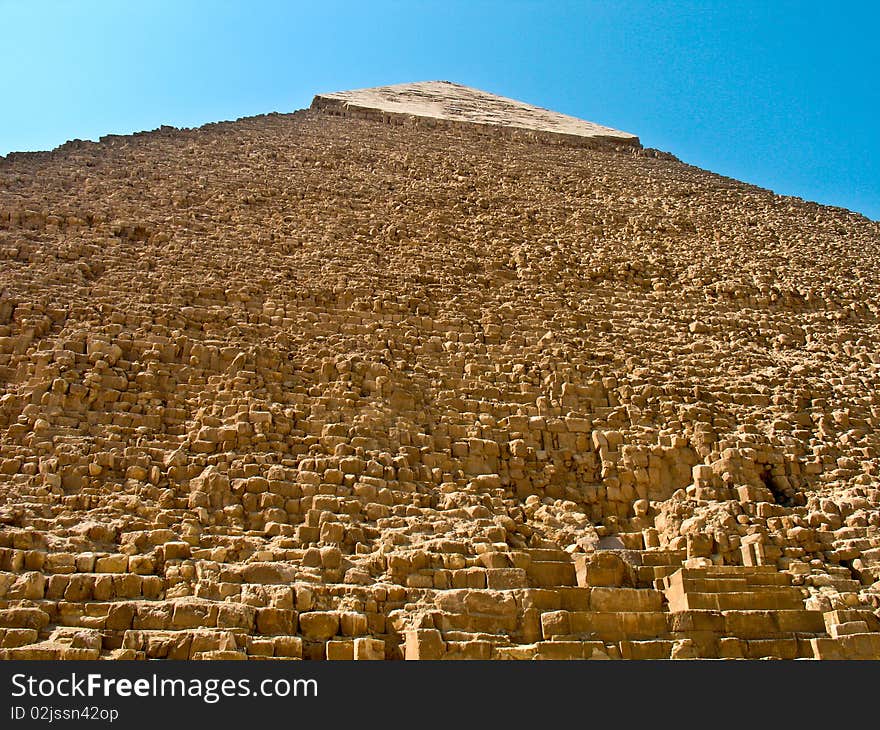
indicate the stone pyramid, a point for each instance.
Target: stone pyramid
{"x":443,"y":102}
{"x":422,"y":372}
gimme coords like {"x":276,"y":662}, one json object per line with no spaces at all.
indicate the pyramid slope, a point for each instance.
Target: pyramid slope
{"x":457,"y":104}
{"x":311,"y":386}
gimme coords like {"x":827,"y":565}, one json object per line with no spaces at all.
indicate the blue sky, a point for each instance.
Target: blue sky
{"x":780,"y":94}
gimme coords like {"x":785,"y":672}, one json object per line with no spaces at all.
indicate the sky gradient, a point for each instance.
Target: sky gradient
{"x":780,"y":94}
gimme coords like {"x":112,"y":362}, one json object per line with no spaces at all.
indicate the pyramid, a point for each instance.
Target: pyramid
{"x":443,"y":102}
{"x":423,"y":373}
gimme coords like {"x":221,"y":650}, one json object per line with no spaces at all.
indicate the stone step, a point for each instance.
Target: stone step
{"x":24,"y":618}
{"x":183,"y":644}
{"x":759,"y":580}
{"x":851,"y":646}
{"x":753,"y":575}
{"x":469,"y":649}
{"x":848,"y":628}
{"x":778,"y":648}
{"x":647,"y":649}
{"x":602,"y":568}
{"x":46,"y":652}
{"x":632,"y":540}
{"x":753,"y":623}
{"x":569,"y":650}
{"x":103,"y":586}
{"x":664,"y":557}
{"x":163,"y":615}
{"x":572,"y":598}
{"x":553,"y":650}
{"x":351,"y":649}
{"x":686,"y":584}
{"x":722,"y":570}
{"x":16,"y":637}
{"x":548,"y":574}
{"x":476,"y":622}
{"x":506,"y":578}
{"x":547,"y":555}
{"x":771,"y":600}
{"x":841,"y":585}
{"x":649,"y":575}
{"x":845,"y":616}
{"x":607,"y":626}
{"x":499,"y":639}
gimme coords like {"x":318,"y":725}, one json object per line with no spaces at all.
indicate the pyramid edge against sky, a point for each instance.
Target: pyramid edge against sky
{"x":304,"y":386}
{"x":444,"y":103}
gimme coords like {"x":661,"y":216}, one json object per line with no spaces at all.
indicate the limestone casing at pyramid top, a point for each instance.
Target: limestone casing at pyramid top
{"x":450,"y":103}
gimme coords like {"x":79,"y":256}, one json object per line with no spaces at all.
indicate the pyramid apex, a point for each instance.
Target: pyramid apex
{"x":448,"y":103}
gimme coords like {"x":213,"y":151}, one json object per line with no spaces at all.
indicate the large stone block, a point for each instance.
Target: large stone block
{"x":319,"y":625}
{"x":424,"y":644}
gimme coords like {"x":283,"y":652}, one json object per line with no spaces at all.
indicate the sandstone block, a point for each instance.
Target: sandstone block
{"x":319,"y":625}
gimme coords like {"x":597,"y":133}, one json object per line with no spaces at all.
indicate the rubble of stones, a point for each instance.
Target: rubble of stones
{"x":311,"y":387}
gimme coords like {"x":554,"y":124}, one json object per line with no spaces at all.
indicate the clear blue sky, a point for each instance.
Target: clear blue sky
{"x":781,"y":94}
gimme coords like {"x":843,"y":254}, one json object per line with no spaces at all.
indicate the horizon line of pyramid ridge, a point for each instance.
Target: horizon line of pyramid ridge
{"x":454,"y":102}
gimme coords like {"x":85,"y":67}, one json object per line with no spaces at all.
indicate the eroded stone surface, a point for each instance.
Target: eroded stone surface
{"x":303,"y":386}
